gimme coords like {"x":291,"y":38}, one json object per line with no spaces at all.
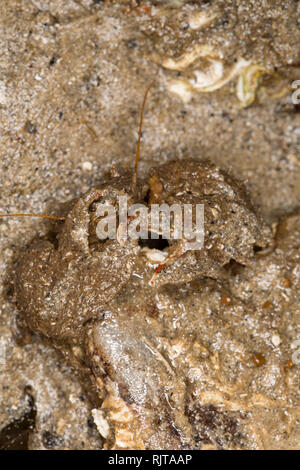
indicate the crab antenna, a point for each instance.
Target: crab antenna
{"x":42,"y":216}
{"x":137,"y":155}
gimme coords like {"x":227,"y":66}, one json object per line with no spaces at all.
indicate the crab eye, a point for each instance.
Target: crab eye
{"x":148,"y":241}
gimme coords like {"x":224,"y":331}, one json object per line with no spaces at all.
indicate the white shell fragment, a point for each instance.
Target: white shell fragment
{"x":125,"y":424}
{"x":276,"y":340}
{"x":87,"y":166}
{"x":207,"y":73}
{"x":206,"y":79}
{"x":155,"y":256}
{"x":200,"y":19}
{"x":101,"y":422}
{"x":210,"y":76}
{"x":221,"y":81}
{"x":186,"y":59}
{"x":182,"y":89}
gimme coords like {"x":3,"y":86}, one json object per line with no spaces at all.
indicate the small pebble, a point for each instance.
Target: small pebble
{"x":259,"y":360}
{"x":87,"y":166}
{"x":226,"y":300}
{"x":276,"y":340}
{"x":30,"y":127}
{"x":267,"y":304}
{"x":286,"y":283}
{"x":290,"y":364}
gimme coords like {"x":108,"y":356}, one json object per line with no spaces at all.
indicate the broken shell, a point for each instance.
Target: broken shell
{"x":101,"y":422}
{"x":200,"y":19}
{"x":248,"y":83}
{"x":206,"y":81}
{"x":220,"y":81}
{"x":116,"y":414}
{"x":155,"y":256}
{"x":186,"y":59}
{"x":182,"y":89}
{"x":276,"y":339}
{"x":212,"y":75}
